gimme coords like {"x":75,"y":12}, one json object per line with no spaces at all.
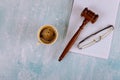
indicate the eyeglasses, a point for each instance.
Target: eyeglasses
{"x":95,"y":37}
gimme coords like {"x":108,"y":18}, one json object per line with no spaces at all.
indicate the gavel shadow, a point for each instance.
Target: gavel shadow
{"x":75,"y":22}
{"x":62,"y":43}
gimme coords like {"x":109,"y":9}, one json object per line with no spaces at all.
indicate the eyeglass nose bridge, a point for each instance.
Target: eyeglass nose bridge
{"x":99,"y":39}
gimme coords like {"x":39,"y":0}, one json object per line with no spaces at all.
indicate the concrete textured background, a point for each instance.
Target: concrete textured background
{"x":22,"y":59}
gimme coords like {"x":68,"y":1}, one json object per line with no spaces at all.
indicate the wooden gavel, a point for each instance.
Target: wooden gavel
{"x":89,"y":17}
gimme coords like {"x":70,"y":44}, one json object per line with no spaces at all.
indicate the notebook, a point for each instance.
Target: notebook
{"x":107,"y":11}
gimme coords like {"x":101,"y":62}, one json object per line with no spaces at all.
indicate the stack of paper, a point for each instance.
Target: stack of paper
{"x":107,"y":11}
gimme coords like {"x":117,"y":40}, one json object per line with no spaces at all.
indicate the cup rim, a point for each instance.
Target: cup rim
{"x":39,"y":30}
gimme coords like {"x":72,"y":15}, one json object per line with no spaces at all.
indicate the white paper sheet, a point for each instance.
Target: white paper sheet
{"x":107,"y":11}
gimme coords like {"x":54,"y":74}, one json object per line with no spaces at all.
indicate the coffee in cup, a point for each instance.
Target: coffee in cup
{"x":47,"y":34}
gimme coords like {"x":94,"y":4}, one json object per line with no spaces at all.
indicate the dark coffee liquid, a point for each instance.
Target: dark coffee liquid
{"x":47,"y":35}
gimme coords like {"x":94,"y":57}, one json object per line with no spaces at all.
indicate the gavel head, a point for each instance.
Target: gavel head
{"x":89,"y":15}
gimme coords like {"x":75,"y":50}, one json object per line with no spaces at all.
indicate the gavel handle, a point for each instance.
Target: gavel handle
{"x":72,"y":41}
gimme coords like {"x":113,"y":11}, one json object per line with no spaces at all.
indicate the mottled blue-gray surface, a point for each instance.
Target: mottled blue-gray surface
{"x":22,"y":59}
